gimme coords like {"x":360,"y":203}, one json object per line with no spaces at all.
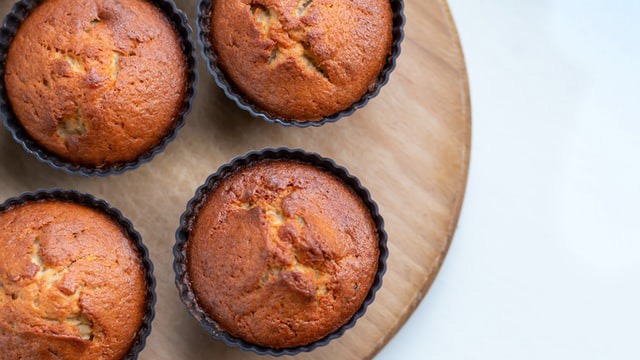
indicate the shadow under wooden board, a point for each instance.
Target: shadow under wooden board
{"x":409,"y":147}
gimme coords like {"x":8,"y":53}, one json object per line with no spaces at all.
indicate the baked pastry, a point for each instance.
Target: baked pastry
{"x":302,"y":60}
{"x":72,"y":285}
{"x":281,"y":253}
{"x":96,"y":82}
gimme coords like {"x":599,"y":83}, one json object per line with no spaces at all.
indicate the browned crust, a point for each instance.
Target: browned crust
{"x":302,"y":59}
{"x":282,"y":254}
{"x":71,"y":284}
{"x":96,"y":82}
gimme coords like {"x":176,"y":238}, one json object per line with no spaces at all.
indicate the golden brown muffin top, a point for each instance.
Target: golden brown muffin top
{"x":96,"y":82}
{"x":71,"y":284}
{"x":282,"y":254}
{"x":302,"y":59}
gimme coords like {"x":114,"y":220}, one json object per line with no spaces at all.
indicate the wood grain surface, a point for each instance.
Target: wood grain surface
{"x":409,"y":147}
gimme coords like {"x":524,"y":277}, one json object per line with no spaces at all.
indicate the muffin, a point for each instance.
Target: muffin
{"x":99,"y":82}
{"x":301,"y":60}
{"x":72,"y":284}
{"x":281,"y":253}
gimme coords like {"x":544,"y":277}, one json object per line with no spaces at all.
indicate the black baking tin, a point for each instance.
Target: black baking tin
{"x":182,"y":235}
{"x":204,"y":34}
{"x":73,"y":196}
{"x":10,"y":25}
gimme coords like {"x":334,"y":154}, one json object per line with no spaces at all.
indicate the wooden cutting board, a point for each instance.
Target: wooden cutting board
{"x":409,"y":146}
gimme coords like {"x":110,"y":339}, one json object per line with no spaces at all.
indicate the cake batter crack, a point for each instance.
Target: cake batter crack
{"x":269,"y":24}
{"x":303,"y":7}
{"x":46,"y":277}
{"x":276,"y":220}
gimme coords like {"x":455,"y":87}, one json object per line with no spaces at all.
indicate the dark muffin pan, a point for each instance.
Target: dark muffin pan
{"x":203,"y":22}
{"x":124,"y":223}
{"x":10,"y":26}
{"x":182,"y":237}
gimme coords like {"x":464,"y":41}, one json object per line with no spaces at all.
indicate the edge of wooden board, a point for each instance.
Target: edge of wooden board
{"x":466,"y":101}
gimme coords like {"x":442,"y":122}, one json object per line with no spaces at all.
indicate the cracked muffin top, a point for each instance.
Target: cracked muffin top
{"x":282,"y":253}
{"x":72,"y":284}
{"x":96,"y":82}
{"x":302,"y":60}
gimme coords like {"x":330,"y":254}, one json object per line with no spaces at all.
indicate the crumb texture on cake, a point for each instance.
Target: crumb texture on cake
{"x":71,"y":284}
{"x":302,"y":59}
{"x":282,"y":254}
{"x":96,"y":82}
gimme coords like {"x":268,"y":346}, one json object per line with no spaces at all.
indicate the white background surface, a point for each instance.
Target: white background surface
{"x":545,"y":263}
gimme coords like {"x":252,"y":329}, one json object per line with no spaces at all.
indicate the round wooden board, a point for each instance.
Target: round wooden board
{"x":409,"y":146}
